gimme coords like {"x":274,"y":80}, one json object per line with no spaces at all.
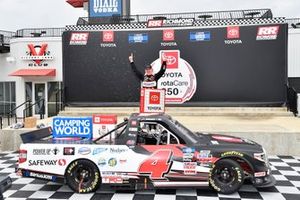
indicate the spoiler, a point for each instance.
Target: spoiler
{"x":36,"y":135}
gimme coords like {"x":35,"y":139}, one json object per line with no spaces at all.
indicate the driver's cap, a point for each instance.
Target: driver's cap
{"x":148,"y":67}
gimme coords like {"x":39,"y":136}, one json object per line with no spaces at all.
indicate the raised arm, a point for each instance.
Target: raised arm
{"x":134,"y":68}
{"x":162,"y":68}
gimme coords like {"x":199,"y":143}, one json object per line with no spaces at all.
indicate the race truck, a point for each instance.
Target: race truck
{"x":147,"y":152}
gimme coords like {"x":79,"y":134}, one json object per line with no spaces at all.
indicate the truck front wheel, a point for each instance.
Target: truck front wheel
{"x":226,"y":176}
{"x":83,"y":176}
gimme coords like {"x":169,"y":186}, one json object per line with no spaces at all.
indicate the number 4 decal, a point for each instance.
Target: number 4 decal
{"x":157,"y":165}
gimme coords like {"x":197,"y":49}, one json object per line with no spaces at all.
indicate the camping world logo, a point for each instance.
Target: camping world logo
{"x":179,"y":80}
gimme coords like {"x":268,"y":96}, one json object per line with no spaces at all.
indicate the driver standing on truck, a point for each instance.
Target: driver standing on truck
{"x":149,"y":79}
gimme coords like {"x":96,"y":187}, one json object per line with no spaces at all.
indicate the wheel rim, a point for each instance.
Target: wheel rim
{"x":225,"y":175}
{"x":83,"y":175}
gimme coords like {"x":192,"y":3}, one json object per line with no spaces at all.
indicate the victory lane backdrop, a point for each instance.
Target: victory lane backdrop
{"x":249,"y":71}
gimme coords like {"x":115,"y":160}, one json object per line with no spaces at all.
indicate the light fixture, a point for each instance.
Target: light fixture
{"x":10,"y":59}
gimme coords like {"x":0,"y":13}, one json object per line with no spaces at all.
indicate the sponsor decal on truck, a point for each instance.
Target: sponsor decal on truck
{"x":72,"y":127}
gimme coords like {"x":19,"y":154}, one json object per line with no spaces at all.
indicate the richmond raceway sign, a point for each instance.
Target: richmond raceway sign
{"x":179,"y":80}
{"x":37,"y":54}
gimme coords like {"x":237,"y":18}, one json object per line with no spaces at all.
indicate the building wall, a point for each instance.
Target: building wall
{"x":19,"y":48}
{"x":294,"y":53}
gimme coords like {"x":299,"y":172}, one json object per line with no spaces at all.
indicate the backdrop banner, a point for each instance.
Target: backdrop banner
{"x":234,"y":65}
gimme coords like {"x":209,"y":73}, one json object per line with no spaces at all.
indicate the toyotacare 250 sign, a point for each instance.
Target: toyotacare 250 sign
{"x":72,"y":127}
{"x":105,"y":8}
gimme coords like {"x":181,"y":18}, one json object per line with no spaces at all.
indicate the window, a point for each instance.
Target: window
{"x":7,"y":97}
{"x":152,"y":133}
{"x":28,"y":96}
{"x":54,"y":98}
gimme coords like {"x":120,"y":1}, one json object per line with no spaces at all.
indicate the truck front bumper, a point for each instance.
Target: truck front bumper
{"x":266,"y":181}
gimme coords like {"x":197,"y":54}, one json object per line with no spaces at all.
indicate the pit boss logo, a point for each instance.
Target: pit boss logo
{"x":37,"y":54}
{"x":108,"y":39}
{"x":179,"y":80}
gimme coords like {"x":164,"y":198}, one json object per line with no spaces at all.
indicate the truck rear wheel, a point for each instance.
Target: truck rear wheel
{"x":83,"y":176}
{"x":226,"y":176}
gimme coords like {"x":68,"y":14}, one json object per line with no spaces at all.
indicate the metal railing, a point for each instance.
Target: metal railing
{"x":213,"y":15}
{"x":293,"y":22}
{"x":40,"y":32}
{"x":13,"y":112}
{"x":11,"y":115}
{"x":59,"y":101}
{"x":41,"y":111}
{"x":6,"y":36}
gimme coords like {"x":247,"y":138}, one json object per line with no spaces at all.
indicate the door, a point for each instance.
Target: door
{"x":40,"y":99}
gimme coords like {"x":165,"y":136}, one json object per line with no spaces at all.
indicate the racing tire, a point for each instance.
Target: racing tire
{"x":83,"y":176}
{"x":226,"y":176}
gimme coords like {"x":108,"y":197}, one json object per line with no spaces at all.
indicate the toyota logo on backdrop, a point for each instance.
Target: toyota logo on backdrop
{"x":168,"y":35}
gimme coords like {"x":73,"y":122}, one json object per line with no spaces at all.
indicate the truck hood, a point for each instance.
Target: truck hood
{"x":229,"y":142}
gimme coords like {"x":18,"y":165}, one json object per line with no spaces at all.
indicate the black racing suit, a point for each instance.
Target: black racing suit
{"x":149,"y":81}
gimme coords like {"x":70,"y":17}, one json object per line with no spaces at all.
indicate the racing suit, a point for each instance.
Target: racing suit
{"x":149,"y":81}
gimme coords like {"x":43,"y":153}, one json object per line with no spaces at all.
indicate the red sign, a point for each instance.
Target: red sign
{"x":154,"y":23}
{"x":233,"y":32}
{"x":154,"y":97}
{"x":108,"y":36}
{"x":104,"y":119}
{"x":152,"y":101}
{"x":79,"y":38}
{"x":172,"y":59}
{"x":168,"y":35}
{"x":41,"y":51}
{"x":267,"y":33}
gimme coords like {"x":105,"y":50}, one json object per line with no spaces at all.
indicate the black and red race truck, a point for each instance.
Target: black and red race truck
{"x":148,"y":151}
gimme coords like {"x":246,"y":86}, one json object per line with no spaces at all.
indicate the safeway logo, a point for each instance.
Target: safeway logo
{"x":108,"y":36}
{"x":62,"y":162}
{"x":267,"y":33}
{"x":168,"y":35}
{"x":79,"y":38}
{"x":154,"y":23}
{"x":154,"y":98}
{"x":233,"y":32}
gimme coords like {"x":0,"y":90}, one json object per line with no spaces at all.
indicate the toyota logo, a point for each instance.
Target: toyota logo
{"x":108,"y":36}
{"x":154,"y":98}
{"x":233,"y":32}
{"x":171,"y":60}
{"x":169,"y":35}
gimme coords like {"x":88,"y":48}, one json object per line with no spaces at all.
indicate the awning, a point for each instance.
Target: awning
{"x":34,"y":72}
{"x":76,"y":3}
